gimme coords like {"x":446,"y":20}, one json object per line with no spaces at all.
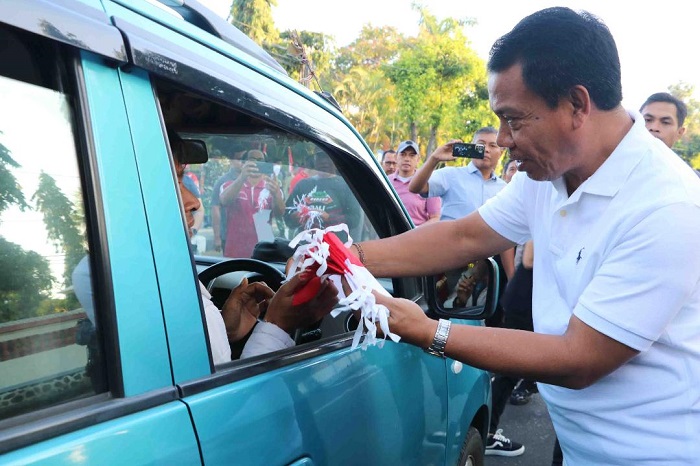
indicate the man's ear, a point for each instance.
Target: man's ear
{"x":581,"y":104}
{"x":681,"y":132}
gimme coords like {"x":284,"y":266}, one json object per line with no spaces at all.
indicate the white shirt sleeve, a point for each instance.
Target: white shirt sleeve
{"x":506,"y":212}
{"x":266,"y":337}
{"x":218,"y":340}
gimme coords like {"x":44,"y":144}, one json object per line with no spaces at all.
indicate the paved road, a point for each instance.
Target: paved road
{"x":530,"y":425}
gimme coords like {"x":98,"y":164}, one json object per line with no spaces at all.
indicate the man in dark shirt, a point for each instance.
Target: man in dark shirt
{"x":321,"y":200}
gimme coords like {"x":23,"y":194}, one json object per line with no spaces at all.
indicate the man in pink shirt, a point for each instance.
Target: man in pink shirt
{"x":422,"y":210}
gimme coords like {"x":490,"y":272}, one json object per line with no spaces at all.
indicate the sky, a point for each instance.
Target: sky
{"x":655,"y":40}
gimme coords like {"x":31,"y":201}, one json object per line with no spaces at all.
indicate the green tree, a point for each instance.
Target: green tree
{"x":371,"y":50}
{"x":367,"y":99}
{"x":310,"y":58}
{"x":439,"y":81}
{"x":25,"y":281}
{"x":688,"y":148}
{"x":364,"y":92}
{"x":10,"y":190}
{"x":306,"y":56}
{"x":61,"y":220}
{"x":254,"y":19}
{"x":25,"y":277}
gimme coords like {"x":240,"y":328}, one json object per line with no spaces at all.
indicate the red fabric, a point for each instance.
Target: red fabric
{"x":301,"y":174}
{"x":241,"y":236}
{"x":337,"y":255}
{"x":290,"y":159}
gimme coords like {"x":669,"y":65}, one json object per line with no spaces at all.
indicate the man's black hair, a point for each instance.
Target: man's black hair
{"x":486,"y":130}
{"x":681,"y":109}
{"x":390,"y":151}
{"x":558,"y":49}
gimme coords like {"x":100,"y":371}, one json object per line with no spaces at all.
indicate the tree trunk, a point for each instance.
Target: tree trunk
{"x":432,"y":142}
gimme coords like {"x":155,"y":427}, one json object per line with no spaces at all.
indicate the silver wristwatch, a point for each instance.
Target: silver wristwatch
{"x":437,"y":348}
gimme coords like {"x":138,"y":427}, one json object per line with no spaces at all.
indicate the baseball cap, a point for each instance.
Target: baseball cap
{"x":406,"y":144}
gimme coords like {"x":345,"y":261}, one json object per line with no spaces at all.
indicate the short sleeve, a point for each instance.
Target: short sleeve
{"x":438,"y":184}
{"x":506,"y":212}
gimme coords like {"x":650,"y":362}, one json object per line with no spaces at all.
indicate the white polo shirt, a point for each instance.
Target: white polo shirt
{"x":622,"y":253}
{"x":462,"y":189}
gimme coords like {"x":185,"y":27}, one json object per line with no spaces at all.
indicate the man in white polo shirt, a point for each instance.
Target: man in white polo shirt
{"x":614,"y":218}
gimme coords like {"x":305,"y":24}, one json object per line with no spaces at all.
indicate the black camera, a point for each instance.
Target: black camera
{"x":463,"y":149}
{"x":265,"y":168}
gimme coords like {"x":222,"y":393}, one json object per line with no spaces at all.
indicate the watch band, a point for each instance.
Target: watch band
{"x":437,"y":348}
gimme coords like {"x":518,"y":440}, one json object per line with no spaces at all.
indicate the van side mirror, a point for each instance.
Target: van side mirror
{"x":469,"y":292}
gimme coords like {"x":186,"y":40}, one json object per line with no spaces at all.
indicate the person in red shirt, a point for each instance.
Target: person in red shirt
{"x":246,"y":199}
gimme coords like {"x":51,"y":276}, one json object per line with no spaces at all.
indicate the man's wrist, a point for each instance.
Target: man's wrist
{"x":433,"y":161}
{"x":427,"y":337}
{"x":439,"y":341}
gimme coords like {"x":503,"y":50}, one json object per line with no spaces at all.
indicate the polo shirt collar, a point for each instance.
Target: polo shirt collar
{"x":472,"y":169}
{"x":393,"y":177}
{"x":612,"y":174}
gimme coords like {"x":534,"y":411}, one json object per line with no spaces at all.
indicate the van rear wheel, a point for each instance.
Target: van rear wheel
{"x":473,"y":449}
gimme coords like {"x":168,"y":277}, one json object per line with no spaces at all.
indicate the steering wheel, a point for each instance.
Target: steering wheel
{"x":270,"y":275}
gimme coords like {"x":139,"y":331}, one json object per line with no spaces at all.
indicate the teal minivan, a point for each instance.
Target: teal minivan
{"x":105,"y":356}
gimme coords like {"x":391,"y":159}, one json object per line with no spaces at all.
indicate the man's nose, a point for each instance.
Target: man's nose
{"x":504,"y":138}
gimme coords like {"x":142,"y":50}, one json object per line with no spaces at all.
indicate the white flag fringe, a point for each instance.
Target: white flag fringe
{"x":311,"y":249}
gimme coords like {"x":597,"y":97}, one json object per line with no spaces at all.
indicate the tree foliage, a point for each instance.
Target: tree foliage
{"x":254,"y":18}
{"x":25,"y":276}
{"x":440,"y":82}
{"x":61,"y":220}
{"x":373,"y":48}
{"x":688,"y":148}
{"x":10,"y":190}
{"x":25,"y":280}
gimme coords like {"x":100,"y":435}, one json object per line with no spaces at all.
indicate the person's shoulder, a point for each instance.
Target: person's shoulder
{"x":445,"y":172}
{"x":668,"y":176}
{"x":304,"y":184}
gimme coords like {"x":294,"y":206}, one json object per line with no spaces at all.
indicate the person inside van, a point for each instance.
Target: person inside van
{"x":239,"y":316}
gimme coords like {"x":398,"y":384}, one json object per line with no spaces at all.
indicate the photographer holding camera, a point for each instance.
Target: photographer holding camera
{"x":464,"y":189}
{"x":250,"y":200}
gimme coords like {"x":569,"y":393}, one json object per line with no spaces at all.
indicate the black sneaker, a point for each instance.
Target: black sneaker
{"x":520,"y":396}
{"x":522,"y":393}
{"x":498,"y":445}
